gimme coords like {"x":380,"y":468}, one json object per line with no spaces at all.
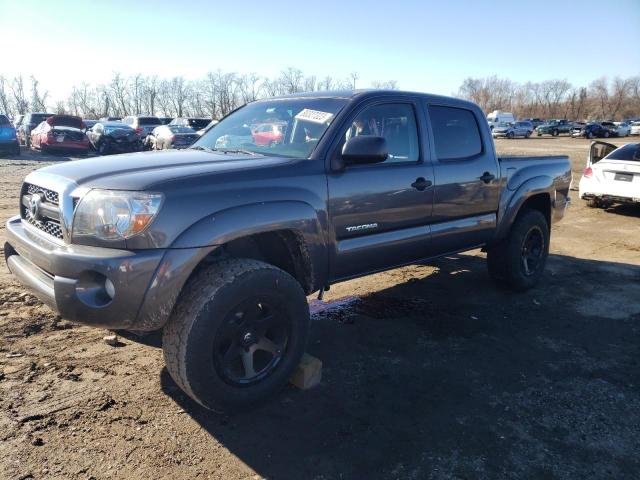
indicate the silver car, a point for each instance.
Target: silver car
{"x":512,"y":130}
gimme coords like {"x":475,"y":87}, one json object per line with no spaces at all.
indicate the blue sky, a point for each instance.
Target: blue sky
{"x":424,"y":45}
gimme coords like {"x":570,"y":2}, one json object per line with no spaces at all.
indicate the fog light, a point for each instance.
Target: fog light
{"x":94,"y":289}
{"x":110,"y":288}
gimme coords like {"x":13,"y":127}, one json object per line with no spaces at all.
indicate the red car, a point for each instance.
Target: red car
{"x":61,"y":132}
{"x":268,"y":133}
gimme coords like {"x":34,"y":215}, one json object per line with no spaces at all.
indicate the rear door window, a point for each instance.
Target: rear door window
{"x":456,"y":135}
{"x":4,"y":121}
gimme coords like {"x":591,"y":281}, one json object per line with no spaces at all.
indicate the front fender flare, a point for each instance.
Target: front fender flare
{"x":244,"y":220}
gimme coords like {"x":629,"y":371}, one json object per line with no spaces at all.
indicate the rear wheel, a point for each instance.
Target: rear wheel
{"x":555,"y":133}
{"x":527,"y":135}
{"x":518,"y":261}
{"x":605,"y":134}
{"x":237,"y":333}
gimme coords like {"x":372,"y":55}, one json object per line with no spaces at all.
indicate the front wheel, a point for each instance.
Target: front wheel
{"x":238,"y":331}
{"x":510,"y":135}
{"x":555,"y":133}
{"x":606,"y":135}
{"x":518,"y":261}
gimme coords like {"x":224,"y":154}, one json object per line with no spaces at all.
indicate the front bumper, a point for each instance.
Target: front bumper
{"x":71,"y":279}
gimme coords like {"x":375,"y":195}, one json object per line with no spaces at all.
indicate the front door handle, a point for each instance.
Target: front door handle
{"x":487,"y":177}
{"x":421,"y":183}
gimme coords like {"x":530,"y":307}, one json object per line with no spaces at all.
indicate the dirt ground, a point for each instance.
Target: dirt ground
{"x":430,"y":372}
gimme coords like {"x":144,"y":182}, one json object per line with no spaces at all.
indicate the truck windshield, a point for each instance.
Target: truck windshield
{"x":290,"y":127}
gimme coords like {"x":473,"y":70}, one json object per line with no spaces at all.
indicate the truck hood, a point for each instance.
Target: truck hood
{"x":141,"y":171}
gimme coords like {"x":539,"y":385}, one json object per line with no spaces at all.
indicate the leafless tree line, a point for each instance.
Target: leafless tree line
{"x":213,"y":96}
{"x":602,"y":99}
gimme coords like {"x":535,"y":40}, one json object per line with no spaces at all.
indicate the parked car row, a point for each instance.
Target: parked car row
{"x":504,"y":124}
{"x":111,"y":134}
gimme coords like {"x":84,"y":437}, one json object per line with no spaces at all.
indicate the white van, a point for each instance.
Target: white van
{"x":497,"y":116}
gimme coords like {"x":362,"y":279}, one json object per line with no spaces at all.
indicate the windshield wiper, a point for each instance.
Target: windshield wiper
{"x":206,"y":149}
{"x":225,"y":150}
{"x":238,"y":150}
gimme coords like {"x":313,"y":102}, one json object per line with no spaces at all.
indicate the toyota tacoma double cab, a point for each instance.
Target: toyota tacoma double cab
{"x":220,"y":244}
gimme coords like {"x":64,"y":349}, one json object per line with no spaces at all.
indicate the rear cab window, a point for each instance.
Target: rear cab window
{"x":456,"y":135}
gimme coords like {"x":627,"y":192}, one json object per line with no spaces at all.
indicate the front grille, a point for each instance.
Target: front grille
{"x":52,"y":228}
{"x":49,"y":195}
{"x":51,"y":199}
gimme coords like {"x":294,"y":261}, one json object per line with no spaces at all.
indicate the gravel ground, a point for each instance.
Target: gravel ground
{"x":429,"y":372}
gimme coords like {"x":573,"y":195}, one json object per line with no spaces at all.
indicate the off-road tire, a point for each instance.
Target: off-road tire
{"x":504,"y":260}
{"x":206,"y":300}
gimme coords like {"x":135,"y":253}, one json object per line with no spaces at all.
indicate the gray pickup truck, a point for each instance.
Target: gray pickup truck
{"x":220,"y":244}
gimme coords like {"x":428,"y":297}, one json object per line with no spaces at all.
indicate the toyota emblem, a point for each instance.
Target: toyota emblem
{"x":34,"y":205}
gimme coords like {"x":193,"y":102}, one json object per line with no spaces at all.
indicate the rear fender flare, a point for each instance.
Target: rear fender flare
{"x":511,"y":203}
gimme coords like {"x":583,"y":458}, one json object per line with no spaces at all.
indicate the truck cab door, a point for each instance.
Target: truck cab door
{"x":379,"y":213}
{"x":467,"y":190}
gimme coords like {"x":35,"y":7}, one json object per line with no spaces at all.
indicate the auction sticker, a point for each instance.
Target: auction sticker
{"x":315,"y":116}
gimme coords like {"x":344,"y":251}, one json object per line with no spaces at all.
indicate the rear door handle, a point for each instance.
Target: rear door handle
{"x":421,"y":183}
{"x":487,"y":177}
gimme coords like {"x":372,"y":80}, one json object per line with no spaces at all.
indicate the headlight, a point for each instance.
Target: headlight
{"x":115,"y":215}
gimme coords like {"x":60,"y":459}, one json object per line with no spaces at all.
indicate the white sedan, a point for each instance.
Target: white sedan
{"x":635,"y":128}
{"x":623,"y":129}
{"x":612,"y":175}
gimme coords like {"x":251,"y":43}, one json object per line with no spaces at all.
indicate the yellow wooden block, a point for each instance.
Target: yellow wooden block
{"x":308,"y":373}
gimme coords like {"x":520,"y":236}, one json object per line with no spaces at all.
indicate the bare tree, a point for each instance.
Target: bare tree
{"x":354,"y":76}
{"x":178,"y":94}
{"x":291,"y":80}
{"x":118,"y":93}
{"x":385,"y":85}
{"x":5,"y":99}
{"x":19,"y":99}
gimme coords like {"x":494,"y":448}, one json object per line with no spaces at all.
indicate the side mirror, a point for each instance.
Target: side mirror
{"x":365,"y":149}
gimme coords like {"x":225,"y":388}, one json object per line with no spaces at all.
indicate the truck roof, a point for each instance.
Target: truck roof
{"x":366,"y":93}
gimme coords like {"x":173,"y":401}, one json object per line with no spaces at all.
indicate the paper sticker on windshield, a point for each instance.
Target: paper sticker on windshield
{"x":315,"y":116}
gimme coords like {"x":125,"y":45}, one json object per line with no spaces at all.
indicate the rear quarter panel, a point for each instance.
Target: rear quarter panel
{"x":525,"y":177}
